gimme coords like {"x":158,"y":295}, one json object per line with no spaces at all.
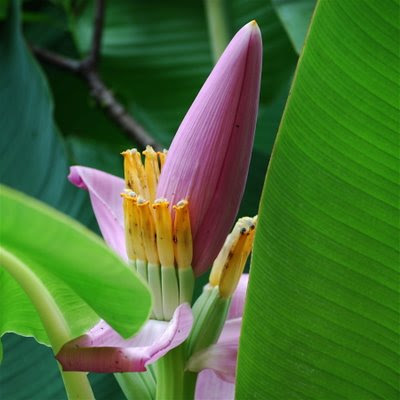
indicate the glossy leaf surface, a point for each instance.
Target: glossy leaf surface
{"x":321,"y":320}
{"x":34,"y":160}
{"x":83,"y":276}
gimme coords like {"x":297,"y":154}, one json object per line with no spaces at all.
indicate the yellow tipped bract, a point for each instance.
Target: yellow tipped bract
{"x":234,"y":266}
{"x":229,"y":264}
{"x":162,"y":156}
{"x":152,"y":171}
{"x":148,"y":231}
{"x":183,"y":246}
{"x":140,"y":173}
{"x":135,"y":175}
{"x":130,"y":179}
{"x":127,"y":197}
{"x":133,"y":231}
{"x":163,"y":222}
{"x":227,"y":248}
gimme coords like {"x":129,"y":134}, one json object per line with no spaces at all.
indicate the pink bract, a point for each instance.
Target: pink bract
{"x":209,"y":158}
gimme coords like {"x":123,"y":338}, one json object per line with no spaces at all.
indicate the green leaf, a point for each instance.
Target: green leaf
{"x":295,"y":16}
{"x":321,"y":321}
{"x":81,"y":275}
{"x":34,"y":159}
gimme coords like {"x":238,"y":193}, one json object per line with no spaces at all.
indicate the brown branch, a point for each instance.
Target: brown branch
{"x":87,"y":70}
{"x":62,"y":62}
{"x":98,"y":23}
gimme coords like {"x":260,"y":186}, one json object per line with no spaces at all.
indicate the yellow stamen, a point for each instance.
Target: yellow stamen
{"x":182,"y":235}
{"x":132,"y":229}
{"x":135,"y":175}
{"x":162,"y":157}
{"x":163,"y":222}
{"x":152,"y":171}
{"x":148,"y":231}
{"x":235,"y":263}
{"x":229,"y":245}
{"x":141,"y":174}
{"x":128,"y":197}
{"x":130,"y":179}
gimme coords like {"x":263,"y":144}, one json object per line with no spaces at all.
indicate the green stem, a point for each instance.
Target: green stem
{"x":141,"y":267}
{"x":154,"y":281}
{"x":170,"y":291}
{"x":189,"y":384}
{"x":170,"y":372}
{"x":137,"y":385}
{"x":76,"y":383}
{"x":209,"y":311}
{"x":218,"y":26}
{"x":186,"y":285}
{"x":173,"y":382}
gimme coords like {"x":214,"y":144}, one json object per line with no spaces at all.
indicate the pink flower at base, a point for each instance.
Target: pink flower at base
{"x":209,"y":158}
{"x":103,"y":350}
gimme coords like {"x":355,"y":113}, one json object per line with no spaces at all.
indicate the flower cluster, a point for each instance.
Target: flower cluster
{"x":170,"y":218}
{"x":159,"y":247}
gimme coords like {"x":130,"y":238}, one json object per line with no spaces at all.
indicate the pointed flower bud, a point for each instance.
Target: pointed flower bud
{"x":208,"y":160}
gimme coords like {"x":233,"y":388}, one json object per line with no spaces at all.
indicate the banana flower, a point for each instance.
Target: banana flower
{"x":169,"y":219}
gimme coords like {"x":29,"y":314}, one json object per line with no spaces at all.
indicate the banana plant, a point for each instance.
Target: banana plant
{"x":317,"y":317}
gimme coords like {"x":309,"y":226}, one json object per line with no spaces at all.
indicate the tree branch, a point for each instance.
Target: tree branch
{"x":87,"y":70}
{"x":62,"y":62}
{"x":98,"y":23}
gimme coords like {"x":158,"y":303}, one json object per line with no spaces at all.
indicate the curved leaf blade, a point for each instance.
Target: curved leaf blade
{"x":33,"y":159}
{"x":322,"y":314}
{"x":82,"y":275}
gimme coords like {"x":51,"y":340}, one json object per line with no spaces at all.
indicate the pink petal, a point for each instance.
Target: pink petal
{"x":209,"y":157}
{"x":230,"y":333}
{"x":103,"y":350}
{"x":104,"y":190}
{"x":210,"y":387}
{"x":238,"y":298}
{"x":222,"y":356}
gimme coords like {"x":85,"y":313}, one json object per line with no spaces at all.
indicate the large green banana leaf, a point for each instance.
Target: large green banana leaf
{"x":34,"y":160}
{"x":47,"y":257}
{"x":322,"y":321}
{"x":34,"y":157}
